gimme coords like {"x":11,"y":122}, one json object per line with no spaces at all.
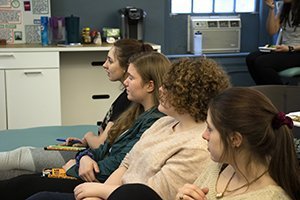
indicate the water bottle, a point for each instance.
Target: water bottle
{"x":197,"y":43}
{"x":44,"y":30}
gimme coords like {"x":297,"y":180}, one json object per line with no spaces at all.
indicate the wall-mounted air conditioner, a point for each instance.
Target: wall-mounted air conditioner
{"x":219,"y":33}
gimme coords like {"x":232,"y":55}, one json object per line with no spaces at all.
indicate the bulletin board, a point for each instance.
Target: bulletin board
{"x":20,"y":20}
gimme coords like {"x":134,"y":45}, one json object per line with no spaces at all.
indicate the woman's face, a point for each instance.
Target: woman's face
{"x":135,"y":86}
{"x":112,"y":66}
{"x":213,"y":138}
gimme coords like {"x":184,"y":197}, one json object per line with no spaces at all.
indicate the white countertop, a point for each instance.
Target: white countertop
{"x":39,"y":47}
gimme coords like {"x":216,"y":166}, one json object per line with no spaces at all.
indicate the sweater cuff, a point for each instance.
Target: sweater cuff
{"x":83,"y":153}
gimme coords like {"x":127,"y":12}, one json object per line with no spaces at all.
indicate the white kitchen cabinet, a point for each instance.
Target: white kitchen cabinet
{"x":2,"y":101}
{"x":33,"y":98}
{"x":32,"y":88}
{"x":39,"y":99}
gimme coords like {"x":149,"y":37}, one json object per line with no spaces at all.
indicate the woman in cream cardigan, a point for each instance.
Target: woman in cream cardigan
{"x":171,"y":152}
{"x":251,"y":145}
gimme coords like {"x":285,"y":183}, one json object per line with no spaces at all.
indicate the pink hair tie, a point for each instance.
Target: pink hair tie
{"x":281,"y":119}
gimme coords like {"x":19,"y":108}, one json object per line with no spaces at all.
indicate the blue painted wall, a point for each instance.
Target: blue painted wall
{"x":160,"y":27}
{"x":104,"y":13}
{"x":170,"y":31}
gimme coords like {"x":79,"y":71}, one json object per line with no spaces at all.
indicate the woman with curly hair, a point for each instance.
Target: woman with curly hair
{"x":170,"y":153}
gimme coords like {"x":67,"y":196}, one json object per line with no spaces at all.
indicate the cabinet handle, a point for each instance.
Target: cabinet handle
{"x":32,"y":72}
{"x":6,"y":55}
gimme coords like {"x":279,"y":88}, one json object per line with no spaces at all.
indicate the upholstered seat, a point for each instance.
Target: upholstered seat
{"x":291,"y":72}
{"x":291,"y":76}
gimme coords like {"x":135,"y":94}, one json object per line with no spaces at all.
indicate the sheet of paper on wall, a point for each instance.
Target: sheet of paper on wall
{"x":20,"y":20}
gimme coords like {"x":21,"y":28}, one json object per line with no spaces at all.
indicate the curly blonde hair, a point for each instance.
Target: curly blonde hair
{"x":191,"y":84}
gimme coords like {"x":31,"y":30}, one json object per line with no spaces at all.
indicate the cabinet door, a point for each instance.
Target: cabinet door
{"x":2,"y":102}
{"x":33,"y":98}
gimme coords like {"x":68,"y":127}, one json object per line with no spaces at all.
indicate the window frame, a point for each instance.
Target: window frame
{"x":213,"y":9}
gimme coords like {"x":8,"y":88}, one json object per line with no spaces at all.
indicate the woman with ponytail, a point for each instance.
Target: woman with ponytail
{"x":30,"y":160}
{"x":251,"y":144}
{"x":145,"y":75}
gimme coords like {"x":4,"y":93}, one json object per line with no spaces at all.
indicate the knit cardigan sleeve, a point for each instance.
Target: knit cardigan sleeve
{"x":156,"y":125}
{"x":181,"y":168}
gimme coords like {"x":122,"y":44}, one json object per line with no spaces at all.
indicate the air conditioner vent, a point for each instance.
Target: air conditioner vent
{"x":219,"y":34}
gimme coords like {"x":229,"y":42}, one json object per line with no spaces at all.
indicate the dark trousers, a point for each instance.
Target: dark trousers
{"x":264,"y":67}
{"x":52,"y":196}
{"x":134,"y":192}
{"x":22,"y":187}
{"x":124,"y":192}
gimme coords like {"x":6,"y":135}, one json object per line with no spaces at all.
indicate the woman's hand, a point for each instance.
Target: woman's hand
{"x":89,"y":135}
{"x":270,"y":3}
{"x":69,"y":164}
{"x":70,"y":142}
{"x":191,"y":192}
{"x":281,"y":48}
{"x":87,"y":169}
{"x":87,"y":190}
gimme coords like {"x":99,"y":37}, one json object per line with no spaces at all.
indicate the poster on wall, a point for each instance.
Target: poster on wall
{"x":20,"y":20}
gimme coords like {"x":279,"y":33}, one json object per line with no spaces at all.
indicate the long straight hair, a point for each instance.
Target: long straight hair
{"x":150,"y":66}
{"x":285,"y":12}
{"x":250,"y":113}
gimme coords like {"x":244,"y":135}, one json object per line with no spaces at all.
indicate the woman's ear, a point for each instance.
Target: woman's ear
{"x":236,"y":139}
{"x":150,"y":86}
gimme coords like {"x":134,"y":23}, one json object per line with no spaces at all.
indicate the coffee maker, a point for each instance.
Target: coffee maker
{"x":132,"y":22}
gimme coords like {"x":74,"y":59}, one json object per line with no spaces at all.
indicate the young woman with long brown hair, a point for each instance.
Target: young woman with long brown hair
{"x":145,"y":75}
{"x":29,"y":160}
{"x":170,"y":152}
{"x":252,"y":145}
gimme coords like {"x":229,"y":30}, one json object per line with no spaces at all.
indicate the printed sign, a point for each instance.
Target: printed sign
{"x":4,"y":3}
{"x":33,"y":33}
{"x":20,"y":20}
{"x":10,"y":17}
{"x":7,"y":34}
{"x":40,"y":7}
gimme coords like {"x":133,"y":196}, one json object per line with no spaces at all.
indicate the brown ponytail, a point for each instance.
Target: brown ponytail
{"x":146,"y":47}
{"x":125,"y":48}
{"x":250,"y":113}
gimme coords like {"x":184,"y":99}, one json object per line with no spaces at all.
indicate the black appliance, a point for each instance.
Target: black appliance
{"x":132,"y":22}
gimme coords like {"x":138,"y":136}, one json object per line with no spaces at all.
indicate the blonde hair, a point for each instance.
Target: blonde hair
{"x":151,"y":66}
